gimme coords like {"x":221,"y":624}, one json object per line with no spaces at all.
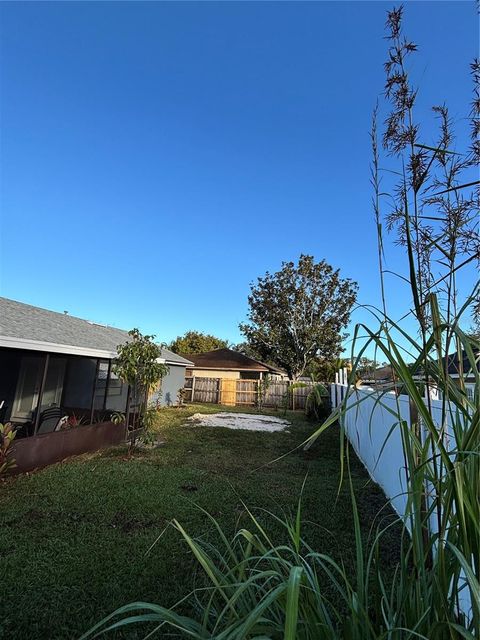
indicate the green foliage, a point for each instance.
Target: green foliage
{"x":137,"y":365}
{"x":324,"y":370}
{"x":197,"y":342}
{"x":317,"y":404}
{"x":181,"y":396}
{"x":148,"y":422}
{"x":298,"y":314}
{"x":249,"y":351}
{"x":441,"y":530}
{"x":263,"y":386}
{"x":7,"y":435}
{"x":137,"y":362}
{"x":257,"y":589}
{"x":117,"y":417}
{"x":436,"y":590}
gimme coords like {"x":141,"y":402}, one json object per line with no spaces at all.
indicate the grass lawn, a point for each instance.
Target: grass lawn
{"x":74,"y":537}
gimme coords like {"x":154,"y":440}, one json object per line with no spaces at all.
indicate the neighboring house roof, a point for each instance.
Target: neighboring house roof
{"x":229,"y":360}
{"x":386,"y":373}
{"x":454,"y":364}
{"x":24,"y":326}
{"x":381,"y":374}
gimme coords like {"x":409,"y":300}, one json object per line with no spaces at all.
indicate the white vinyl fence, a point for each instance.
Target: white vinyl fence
{"x":370,"y":429}
{"x":375,"y":435}
{"x":371,"y":425}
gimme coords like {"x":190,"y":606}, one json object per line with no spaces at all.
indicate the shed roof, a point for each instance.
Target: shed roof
{"x":227,"y":359}
{"x":23,"y":325}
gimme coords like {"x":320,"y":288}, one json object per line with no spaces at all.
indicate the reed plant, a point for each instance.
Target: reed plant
{"x":259,"y":589}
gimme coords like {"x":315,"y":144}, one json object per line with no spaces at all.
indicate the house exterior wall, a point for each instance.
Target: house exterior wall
{"x":167,"y":394}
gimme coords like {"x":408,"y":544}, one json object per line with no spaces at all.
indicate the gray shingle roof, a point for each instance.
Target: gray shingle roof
{"x":26,"y":322}
{"x":174,"y":357}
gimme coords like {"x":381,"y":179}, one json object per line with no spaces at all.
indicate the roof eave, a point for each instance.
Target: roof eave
{"x":207,"y":367}
{"x":54,"y":347}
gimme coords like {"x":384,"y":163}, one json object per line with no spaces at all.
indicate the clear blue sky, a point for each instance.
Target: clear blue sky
{"x":158,"y":157}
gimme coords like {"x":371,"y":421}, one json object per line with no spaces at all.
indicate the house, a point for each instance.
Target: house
{"x":227,"y":377}
{"x":379,"y":376}
{"x":226,"y":363}
{"x":383,"y":376}
{"x":56,"y":370}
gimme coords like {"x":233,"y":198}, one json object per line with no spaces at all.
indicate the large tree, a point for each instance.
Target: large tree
{"x":299,"y":313}
{"x":197,"y":342}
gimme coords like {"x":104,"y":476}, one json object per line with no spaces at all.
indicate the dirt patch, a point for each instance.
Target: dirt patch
{"x":246,"y":421}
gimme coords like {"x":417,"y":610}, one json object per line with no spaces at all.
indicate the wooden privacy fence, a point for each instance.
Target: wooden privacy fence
{"x":232,"y":391}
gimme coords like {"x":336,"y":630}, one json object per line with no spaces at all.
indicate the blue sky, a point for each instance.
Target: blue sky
{"x":158,"y":157}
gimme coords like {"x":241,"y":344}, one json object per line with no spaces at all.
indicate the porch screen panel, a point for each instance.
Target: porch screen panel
{"x":28,"y":385}
{"x":116,"y":394}
{"x":52,"y":392}
{"x":101,"y":385}
{"x":79,"y":383}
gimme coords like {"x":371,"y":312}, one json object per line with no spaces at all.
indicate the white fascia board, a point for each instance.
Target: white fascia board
{"x":232,"y":369}
{"x":173,"y":363}
{"x":53,"y":347}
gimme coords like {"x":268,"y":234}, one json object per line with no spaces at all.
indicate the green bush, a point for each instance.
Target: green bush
{"x":317,"y":405}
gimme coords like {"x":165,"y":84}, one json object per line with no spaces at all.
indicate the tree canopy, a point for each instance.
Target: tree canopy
{"x":324,"y":370}
{"x":298,"y":314}
{"x":197,"y":342}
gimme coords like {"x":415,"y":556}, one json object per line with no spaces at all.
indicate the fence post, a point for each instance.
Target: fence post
{"x":344,"y":383}
{"x":192,"y":399}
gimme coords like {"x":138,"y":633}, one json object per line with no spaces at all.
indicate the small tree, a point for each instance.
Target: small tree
{"x":197,"y":342}
{"x":137,"y":364}
{"x":298,"y":314}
